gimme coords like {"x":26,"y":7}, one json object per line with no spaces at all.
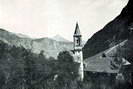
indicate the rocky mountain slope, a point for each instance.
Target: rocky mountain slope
{"x":113,"y":33}
{"x":59,"y":38}
{"x":50,"y":47}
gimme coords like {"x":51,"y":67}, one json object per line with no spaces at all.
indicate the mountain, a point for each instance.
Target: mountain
{"x":13,"y":39}
{"x":49,"y":46}
{"x":22,"y":35}
{"x":114,"y":32}
{"x":59,"y":38}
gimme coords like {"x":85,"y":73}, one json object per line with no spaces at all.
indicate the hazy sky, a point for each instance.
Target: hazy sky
{"x":41,"y":18}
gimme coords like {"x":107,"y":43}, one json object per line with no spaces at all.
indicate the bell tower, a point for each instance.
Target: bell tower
{"x":78,"y":54}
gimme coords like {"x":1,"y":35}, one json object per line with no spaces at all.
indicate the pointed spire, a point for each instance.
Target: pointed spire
{"x":77,"y":31}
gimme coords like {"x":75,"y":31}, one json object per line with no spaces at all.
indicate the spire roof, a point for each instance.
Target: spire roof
{"x":77,"y":30}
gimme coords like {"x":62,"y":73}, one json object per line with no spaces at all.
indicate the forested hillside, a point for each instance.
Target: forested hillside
{"x":113,"y":33}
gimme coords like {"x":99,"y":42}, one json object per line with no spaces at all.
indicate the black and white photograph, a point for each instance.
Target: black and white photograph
{"x":66,"y":44}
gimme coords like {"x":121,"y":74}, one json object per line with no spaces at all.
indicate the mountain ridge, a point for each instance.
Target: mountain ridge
{"x":50,"y":46}
{"x":60,"y":38}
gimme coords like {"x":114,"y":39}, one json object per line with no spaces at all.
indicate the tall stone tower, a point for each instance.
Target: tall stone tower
{"x":78,"y":54}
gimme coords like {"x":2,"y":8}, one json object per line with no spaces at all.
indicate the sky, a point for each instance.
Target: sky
{"x":47,"y":18}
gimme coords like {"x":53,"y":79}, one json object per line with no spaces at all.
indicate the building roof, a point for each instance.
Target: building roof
{"x":101,"y":62}
{"x":98,"y":63}
{"x":77,"y":30}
